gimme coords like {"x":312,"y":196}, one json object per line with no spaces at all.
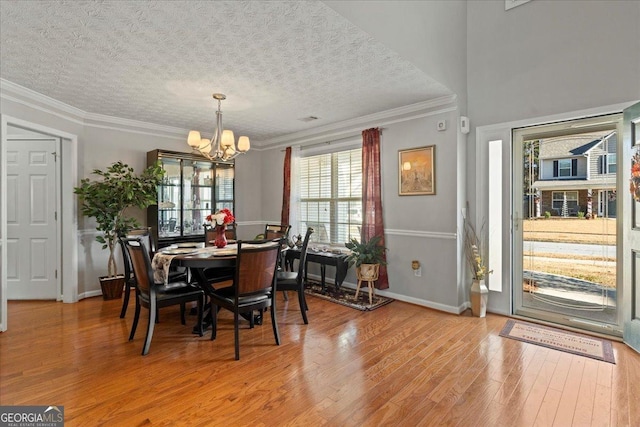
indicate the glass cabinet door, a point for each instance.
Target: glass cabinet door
{"x":170,"y":199}
{"x":192,"y":188}
{"x":197,"y":184}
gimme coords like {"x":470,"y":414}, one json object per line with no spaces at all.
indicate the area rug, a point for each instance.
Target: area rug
{"x":582,"y":345}
{"x":346,"y":296}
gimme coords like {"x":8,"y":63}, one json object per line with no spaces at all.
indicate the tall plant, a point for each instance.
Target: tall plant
{"x":107,"y":198}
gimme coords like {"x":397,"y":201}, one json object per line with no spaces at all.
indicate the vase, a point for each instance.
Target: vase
{"x":221,"y":237}
{"x":479,"y":297}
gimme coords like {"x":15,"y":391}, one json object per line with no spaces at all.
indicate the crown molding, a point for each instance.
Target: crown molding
{"x":343,"y":129}
{"x":351,"y":127}
{"x":37,"y":101}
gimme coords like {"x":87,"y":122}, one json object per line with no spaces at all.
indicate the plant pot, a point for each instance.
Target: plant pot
{"x":368,"y":272}
{"x":112,"y":287}
{"x":479,"y":298}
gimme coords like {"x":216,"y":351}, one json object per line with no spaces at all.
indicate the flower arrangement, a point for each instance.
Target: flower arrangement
{"x":473,"y":252}
{"x":634,"y":182}
{"x":221,"y":217}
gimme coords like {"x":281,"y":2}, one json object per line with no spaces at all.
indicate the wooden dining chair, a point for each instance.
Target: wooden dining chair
{"x":294,"y":280}
{"x":146,"y":236}
{"x":218,"y":274}
{"x":253,"y":288}
{"x":153,"y":296}
{"x":276,"y":231}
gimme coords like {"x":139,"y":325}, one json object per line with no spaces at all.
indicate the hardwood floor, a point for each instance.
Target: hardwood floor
{"x":398,"y":365}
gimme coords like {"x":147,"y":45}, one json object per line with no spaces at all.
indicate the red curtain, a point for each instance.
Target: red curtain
{"x":286,"y":188}
{"x":372,"y":223}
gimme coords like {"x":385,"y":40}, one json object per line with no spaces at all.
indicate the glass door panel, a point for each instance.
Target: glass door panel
{"x":197,"y":185}
{"x":170,"y":199}
{"x":565,"y":242}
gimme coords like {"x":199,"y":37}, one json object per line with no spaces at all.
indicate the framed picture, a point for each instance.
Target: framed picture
{"x":416,"y":167}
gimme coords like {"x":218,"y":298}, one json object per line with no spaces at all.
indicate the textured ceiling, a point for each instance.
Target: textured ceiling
{"x":160,"y":61}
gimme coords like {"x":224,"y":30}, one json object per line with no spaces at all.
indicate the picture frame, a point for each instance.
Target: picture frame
{"x":416,"y":171}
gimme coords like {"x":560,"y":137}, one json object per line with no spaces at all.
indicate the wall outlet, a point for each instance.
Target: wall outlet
{"x":418,"y":272}
{"x":442,"y":125}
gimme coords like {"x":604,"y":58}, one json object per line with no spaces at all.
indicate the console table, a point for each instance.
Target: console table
{"x":339,"y":261}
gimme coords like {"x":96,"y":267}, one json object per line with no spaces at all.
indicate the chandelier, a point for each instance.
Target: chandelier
{"x":222,"y":146}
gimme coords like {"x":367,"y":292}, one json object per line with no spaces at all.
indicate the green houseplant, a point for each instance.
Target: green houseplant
{"x":366,"y":251}
{"x":107,"y":199}
{"x":368,"y":256}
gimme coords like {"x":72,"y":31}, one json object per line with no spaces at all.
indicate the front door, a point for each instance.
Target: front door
{"x":32,"y":254}
{"x":631,"y":224}
{"x":565,"y":259}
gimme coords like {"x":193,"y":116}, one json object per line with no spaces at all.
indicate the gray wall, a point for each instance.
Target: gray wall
{"x":422,"y":228}
{"x":100,"y":146}
{"x":545,"y":58}
{"x":431,"y":34}
{"x":548,"y":57}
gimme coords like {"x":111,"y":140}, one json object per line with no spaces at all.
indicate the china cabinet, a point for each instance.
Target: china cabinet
{"x":192,"y":188}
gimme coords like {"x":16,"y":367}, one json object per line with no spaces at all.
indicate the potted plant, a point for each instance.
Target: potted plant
{"x":107,"y":200}
{"x":368,"y":256}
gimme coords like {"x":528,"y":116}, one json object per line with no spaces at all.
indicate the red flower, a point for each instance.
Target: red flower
{"x":223,"y":216}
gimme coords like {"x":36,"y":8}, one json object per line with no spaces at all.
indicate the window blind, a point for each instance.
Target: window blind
{"x":330,"y":188}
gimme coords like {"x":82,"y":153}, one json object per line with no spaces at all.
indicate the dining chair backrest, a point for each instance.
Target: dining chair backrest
{"x":274,"y":231}
{"x":303,"y":254}
{"x":141,"y":263}
{"x":255,"y":268}
{"x":146,"y":236}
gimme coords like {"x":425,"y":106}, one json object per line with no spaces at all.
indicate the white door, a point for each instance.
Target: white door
{"x":631,"y":225}
{"x":32,"y":254}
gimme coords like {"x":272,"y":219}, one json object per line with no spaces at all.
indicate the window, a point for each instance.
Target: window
{"x":611,"y":163}
{"x":331,"y":195}
{"x":565,"y":202}
{"x":565,"y":168}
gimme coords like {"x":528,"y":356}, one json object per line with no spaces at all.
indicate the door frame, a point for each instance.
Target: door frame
{"x":67,"y":215}
{"x":501,"y":302}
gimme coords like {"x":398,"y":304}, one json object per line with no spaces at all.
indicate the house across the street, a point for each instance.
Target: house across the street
{"x":577,"y":174}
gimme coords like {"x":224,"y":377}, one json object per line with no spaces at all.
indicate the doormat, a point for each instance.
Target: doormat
{"x":346,"y":296}
{"x":582,"y":345}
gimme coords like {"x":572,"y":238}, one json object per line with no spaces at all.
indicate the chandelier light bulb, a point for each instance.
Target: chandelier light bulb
{"x":243,"y":144}
{"x":194,"y":138}
{"x":228,"y":139}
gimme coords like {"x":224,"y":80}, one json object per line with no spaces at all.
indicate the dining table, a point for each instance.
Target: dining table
{"x":197,"y":257}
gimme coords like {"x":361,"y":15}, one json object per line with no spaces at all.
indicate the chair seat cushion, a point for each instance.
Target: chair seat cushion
{"x":174,"y":287}
{"x":227,"y":295}
{"x":287,"y":275}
